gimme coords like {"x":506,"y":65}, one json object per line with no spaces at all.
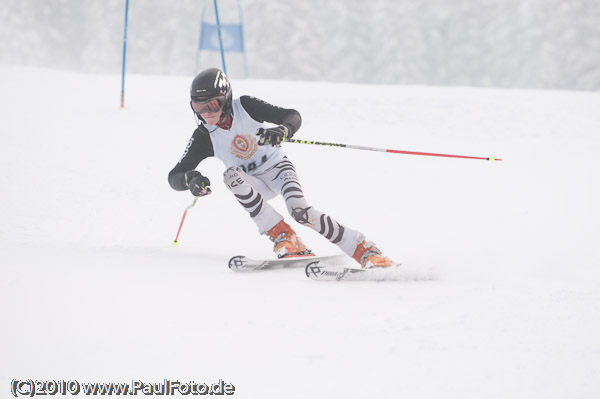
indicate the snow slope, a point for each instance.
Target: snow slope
{"x":91,"y":288}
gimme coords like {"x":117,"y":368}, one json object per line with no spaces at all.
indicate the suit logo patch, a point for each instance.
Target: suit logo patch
{"x":243,"y":146}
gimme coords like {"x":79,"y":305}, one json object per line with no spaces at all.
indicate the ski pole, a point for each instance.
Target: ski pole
{"x":175,"y":242}
{"x":358,"y":147}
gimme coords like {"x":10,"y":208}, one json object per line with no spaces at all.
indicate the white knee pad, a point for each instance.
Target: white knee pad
{"x":234,"y":177}
{"x":238,"y":181}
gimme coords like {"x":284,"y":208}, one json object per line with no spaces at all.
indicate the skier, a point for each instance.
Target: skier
{"x":234,"y":131}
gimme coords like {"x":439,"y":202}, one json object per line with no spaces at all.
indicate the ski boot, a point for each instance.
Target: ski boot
{"x":368,"y":255}
{"x":286,"y":243}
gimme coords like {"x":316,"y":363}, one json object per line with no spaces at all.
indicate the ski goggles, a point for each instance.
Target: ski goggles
{"x":208,"y":105}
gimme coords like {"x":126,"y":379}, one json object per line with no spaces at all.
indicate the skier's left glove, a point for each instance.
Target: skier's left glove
{"x":198,"y":184}
{"x":273,"y":136}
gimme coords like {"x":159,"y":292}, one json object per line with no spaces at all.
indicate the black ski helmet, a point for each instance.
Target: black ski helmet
{"x":212,"y":83}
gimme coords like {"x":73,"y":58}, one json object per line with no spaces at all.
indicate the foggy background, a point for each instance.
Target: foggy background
{"x":550,"y":44}
{"x":92,"y":290}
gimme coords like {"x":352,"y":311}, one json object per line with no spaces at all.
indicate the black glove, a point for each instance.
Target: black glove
{"x":273,"y":136}
{"x":197,"y":183}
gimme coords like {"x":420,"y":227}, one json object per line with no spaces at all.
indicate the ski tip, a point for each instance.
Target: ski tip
{"x":237,"y":263}
{"x":319,"y":271}
{"x":308,"y":269}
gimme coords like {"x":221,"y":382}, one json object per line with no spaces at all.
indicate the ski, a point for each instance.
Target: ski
{"x":320,"y":271}
{"x":242,"y":263}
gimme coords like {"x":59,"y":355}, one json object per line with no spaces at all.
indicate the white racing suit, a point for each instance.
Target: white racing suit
{"x":256,"y":174}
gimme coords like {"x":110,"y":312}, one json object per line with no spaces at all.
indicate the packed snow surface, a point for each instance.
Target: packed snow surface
{"x":502,"y":291}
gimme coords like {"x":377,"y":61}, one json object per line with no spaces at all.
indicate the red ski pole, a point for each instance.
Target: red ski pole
{"x":357,"y":147}
{"x":175,"y":242}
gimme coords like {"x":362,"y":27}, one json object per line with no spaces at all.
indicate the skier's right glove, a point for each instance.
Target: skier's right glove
{"x":198,"y":184}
